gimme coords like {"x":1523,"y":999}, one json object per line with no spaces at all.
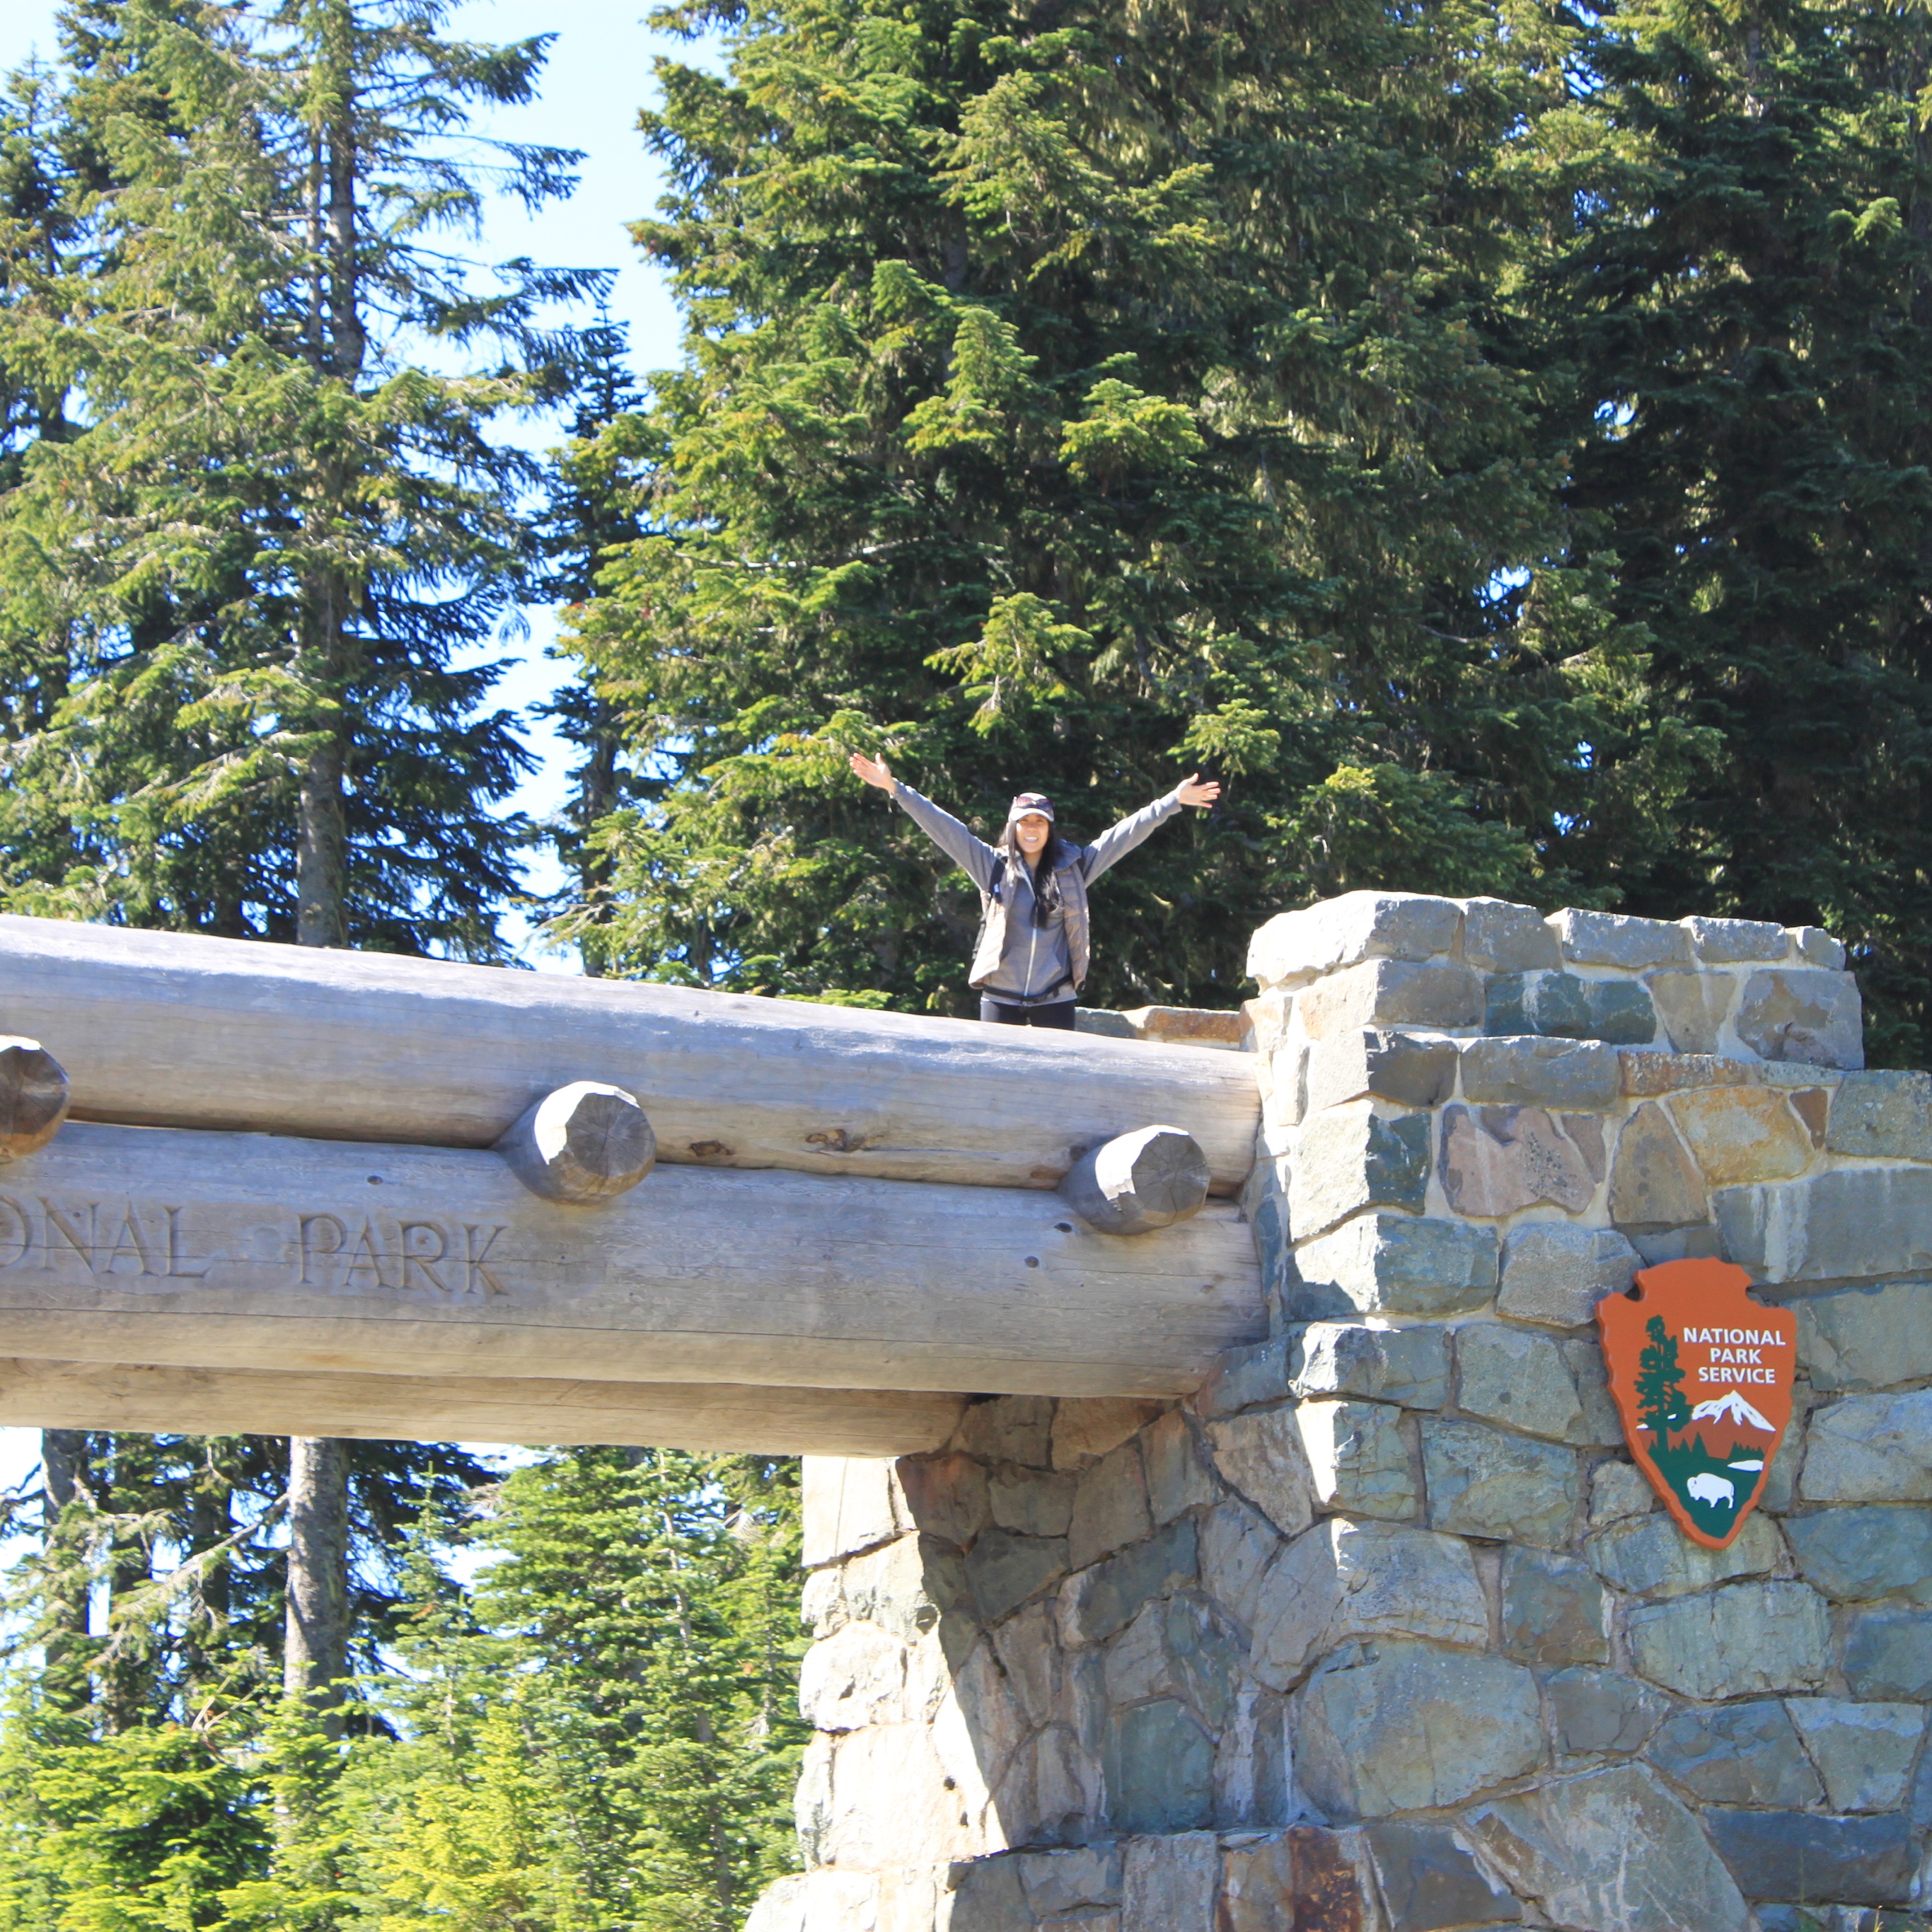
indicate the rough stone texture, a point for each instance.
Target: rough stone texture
{"x":1520,"y":1379}
{"x":1612,"y":1852}
{"x":1176,"y":1479}
{"x":1169,"y":1882}
{"x":1351,"y":1158}
{"x":905,"y":1587}
{"x":1085,"y":1429}
{"x":945,"y":1495}
{"x":1692,"y":1006}
{"x":1817,"y":947}
{"x":1294,"y":947}
{"x":1723,"y":942}
{"x":1055,"y":1883}
{"x":1882,"y":1116}
{"x":1395,"y":1067}
{"x":1357,"y":1458}
{"x":1160,"y":1768}
{"x":1522,"y":1069}
{"x":1499,"y":937}
{"x":855,"y":1676}
{"x":1110,"y":1508}
{"x":1601,"y":1712}
{"x":1790,"y":1854}
{"x":1243,"y":1378}
{"x":1618,"y":1011}
{"x":1857,"y":1554}
{"x":1010,"y":1429}
{"x":1002,"y":1570}
{"x":1237,"y":1544}
{"x":1387,"y":992}
{"x":1259,"y":1455}
{"x":1097,"y":1602}
{"x":1617,"y":1490}
{"x":1428,"y":1881}
{"x":1888,"y":1654}
{"x":1395,"y":1265}
{"x":1555,"y":1273}
{"x":1482,"y":1483}
{"x":1341,"y":1580}
{"x":1409,"y":1727}
{"x":1864,"y":1752}
{"x":1407,"y":1366}
{"x":1553,"y":1610}
{"x":1866,"y":1338}
{"x":1497,"y":1160}
{"x":1850,"y":1222}
{"x":1615,"y":939}
{"x":1746,"y":1753}
{"x":1653,"y":1182}
{"x":1031,"y":1503}
{"x":1650,"y":1556}
{"x":1812,"y":1017}
{"x":1870,"y":1449}
{"x":848,"y":1505}
{"x":1734,"y":1642}
{"x":1738,"y":1135}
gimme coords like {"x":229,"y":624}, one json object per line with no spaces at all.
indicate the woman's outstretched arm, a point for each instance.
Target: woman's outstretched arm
{"x":972,"y":855}
{"x":1118,"y":840}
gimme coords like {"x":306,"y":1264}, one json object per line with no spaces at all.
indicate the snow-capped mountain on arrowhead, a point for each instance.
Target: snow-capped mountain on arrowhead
{"x":1731,"y":1407}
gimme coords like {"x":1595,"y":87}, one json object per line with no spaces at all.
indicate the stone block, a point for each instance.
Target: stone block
{"x":1555,"y":1274}
{"x":1086,"y":1427}
{"x":1739,"y":1135}
{"x":1519,"y":1378}
{"x":1343,"y":1580}
{"x":1301,"y":1877}
{"x":1736,"y":1642}
{"x":1237,"y":1544}
{"x":1086,"y":1878}
{"x":905,"y":1586}
{"x":1481,"y":1482}
{"x":1294,"y":947}
{"x":1356,"y":1459}
{"x":1003,"y":1570}
{"x":1864,"y":1752}
{"x":1603,"y":1426}
{"x":1395,"y":1265}
{"x":1110,"y":1507}
{"x":1870,"y":1449}
{"x":1243,"y":1378}
{"x":847,"y":1503}
{"x":946,"y":1496}
{"x":1387,"y":992}
{"x":1429,"y":1881}
{"x":1372,"y":1065}
{"x":1692,"y":1006}
{"x":1850,"y":1222}
{"x":1813,"y":1018}
{"x":1616,"y":939}
{"x":1817,"y":947}
{"x":1650,"y":1556}
{"x":1159,"y":1770}
{"x":1727,"y":942}
{"x":1406,"y":1726}
{"x":1554,"y":1610}
{"x":1882,"y":1117}
{"x":1351,"y":1158}
{"x":1653,"y":1182}
{"x":1096,"y":1602}
{"x":1888,"y":1654}
{"x":1495,"y":1161}
{"x":1611,"y":1851}
{"x":1617,"y":1490}
{"x":1866,"y":1338}
{"x":1177,"y":1480}
{"x":855,"y":1676}
{"x":1523,"y":1070}
{"x":1802,"y":1855}
{"x":1621,"y":1012}
{"x":1033,"y":1502}
{"x":1009,"y":1429}
{"x":1602,"y":1711}
{"x":1407,"y":1366}
{"x":1259,"y":1454}
{"x":1856,"y":1555}
{"x":1498,"y":937}
{"x":1586,"y":1132}
{"x":1618,"y":1011}
{"x":1169,"y":1882}
{"x":1746,"y":1753}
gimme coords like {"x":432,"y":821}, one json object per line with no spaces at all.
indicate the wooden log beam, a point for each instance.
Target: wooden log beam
{"x":442,"y":1409}
{"x":167,"y":1030}
{"x":1139,"y":1183}
{"x":586,"y":1142}
{"x":34,"y":1096}
{"x":163,"y":1246}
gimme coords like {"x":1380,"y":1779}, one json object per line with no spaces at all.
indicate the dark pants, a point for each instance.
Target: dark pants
{"x":1059,"y":1013}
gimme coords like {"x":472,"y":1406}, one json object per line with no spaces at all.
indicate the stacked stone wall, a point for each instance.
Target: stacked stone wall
{"x":1382,"y":1630}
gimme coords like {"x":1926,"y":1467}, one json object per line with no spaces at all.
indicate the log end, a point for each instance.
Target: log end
{"x":585,"y":1142}
{"x":33,"y":1096}
{"x":1138,"y":1183}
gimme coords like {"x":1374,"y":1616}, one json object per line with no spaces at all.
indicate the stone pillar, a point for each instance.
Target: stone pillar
{"x":1382,"y":1630}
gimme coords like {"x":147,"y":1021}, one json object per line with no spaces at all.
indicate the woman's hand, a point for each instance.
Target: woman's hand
{"x":877,"y":772}
{"x":1192,"y":793}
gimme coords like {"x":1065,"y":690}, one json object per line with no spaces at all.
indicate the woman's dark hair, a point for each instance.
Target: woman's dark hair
{"x":1046,"y":886}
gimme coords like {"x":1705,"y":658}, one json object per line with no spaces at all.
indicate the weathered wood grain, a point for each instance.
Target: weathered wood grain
{"x":586,"y":1142}
{"x":178,"y":1031}
{"x":1139,"y":1183}
{"x":34,"y":1096}
{"x":159,"y":1245}
{"x":438,"y":1409}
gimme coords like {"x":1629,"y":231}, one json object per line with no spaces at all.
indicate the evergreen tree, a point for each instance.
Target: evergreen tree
{"x":1660,"y":1384}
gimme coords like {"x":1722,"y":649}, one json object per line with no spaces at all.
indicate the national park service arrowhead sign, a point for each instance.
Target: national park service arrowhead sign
{"x":1702,"y":1374}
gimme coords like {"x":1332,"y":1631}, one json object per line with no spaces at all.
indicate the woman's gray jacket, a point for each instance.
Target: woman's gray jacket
{"x":1016,"y":960}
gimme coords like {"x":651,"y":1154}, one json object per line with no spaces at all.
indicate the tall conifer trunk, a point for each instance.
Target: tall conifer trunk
{"x":63,"y":1473}
{"x":315,"y":1653}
